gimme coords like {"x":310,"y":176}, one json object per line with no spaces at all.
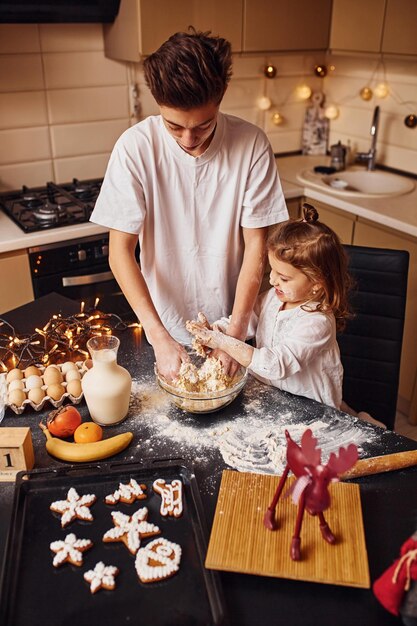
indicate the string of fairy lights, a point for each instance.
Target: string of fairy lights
{"x":375,"y":86}
{"x":60,"y":339}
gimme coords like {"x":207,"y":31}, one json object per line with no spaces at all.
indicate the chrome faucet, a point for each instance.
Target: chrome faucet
{"x":370,"y":156}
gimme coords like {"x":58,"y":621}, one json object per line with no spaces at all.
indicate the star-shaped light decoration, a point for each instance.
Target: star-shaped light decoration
{"x":131,"y":529}
{"x":101,"y":577}
{"x":74,"y":507}
{"x":70,"y":550}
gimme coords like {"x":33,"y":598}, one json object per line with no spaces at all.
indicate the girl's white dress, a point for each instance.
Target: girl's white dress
{"x":296,"y":350}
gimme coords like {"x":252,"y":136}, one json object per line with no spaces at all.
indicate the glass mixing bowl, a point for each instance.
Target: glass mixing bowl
{"x":203,"y":402}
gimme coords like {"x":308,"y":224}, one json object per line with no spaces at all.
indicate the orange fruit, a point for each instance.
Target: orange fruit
{"x":88,"y":432}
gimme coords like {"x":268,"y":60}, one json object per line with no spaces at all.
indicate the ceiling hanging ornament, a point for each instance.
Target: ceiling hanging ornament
{"x":366,"y":93}
{"x":411,"y":120}
{"x":320,"y":70}
{"x":331,"y":111}
{"x":381,"y":90}
{"x":276,"y":118}
{"x":270,"y":71}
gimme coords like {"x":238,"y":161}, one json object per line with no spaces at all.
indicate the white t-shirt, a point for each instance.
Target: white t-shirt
{"x":297,"y":351}
{"x":188,"y":212}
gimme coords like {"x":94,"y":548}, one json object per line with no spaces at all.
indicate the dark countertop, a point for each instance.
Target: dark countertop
{"x":160,"y":431}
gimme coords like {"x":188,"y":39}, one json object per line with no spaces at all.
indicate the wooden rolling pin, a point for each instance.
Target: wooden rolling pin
{"x":379,"y":464}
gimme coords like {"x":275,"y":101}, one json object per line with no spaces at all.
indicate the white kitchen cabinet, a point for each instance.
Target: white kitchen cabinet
{"x":341,"y":222}
{"x":15,"y":280}
{"x":388,"y":26}
{"x":369,"y":234}
{"x":281,"y":25}
{"x":143,"y":25}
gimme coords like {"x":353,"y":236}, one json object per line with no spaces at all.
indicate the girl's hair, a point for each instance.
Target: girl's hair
{"x":314,"y":249}
{"x":189,"y":70}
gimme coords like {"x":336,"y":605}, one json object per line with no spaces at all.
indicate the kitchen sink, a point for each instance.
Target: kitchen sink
{"x":359,"y":183}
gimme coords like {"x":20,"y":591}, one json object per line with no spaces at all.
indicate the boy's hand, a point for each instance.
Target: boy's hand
{"x":169,"y":357}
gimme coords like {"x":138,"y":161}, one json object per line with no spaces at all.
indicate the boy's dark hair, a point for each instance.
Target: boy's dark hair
{"x":189,"y":70}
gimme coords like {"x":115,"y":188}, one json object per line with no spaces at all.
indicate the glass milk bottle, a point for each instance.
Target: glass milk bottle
{"x":106,"y":385}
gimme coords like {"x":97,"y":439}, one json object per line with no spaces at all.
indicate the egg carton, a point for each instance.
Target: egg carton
{"x":4,"y":388}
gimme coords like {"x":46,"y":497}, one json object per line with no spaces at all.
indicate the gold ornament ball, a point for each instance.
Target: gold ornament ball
{"x":366,"y":93}
{"x":276,"y":118}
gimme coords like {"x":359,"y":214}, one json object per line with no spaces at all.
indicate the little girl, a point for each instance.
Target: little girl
{"x":296,"y":321}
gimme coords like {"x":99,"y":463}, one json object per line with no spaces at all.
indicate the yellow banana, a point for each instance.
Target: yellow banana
{"x":84,"y":452}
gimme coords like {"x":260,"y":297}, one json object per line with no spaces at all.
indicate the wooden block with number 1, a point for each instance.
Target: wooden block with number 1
{"x":16,"y":452}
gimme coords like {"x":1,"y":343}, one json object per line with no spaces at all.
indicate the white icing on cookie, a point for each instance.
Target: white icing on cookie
{"x":70,"y":550}
{"x":131,"y":529}
{"x":74,"y":507}
{"x":101,"y":577}
{"x":127,"y":493}
{"x":158,"y":560}
{"x":171,"y":495}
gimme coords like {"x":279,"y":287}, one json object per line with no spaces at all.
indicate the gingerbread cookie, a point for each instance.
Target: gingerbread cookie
{"x":74,"y":507}
{"x":127,"y":493}
{"x":101,"y":577}
{"x":158,"y":560}
{"x":131,"y":529}
{"x":171,"y":495}
{"x":70,"y":550}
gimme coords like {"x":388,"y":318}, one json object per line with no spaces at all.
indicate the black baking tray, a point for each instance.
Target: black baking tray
{"x":35,"y":593}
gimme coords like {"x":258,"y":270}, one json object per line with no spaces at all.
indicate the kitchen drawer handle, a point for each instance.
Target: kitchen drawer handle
{"x":88,"y":279}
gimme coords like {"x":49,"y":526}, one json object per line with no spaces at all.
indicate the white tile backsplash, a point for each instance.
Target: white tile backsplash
{"x":63,"y":103}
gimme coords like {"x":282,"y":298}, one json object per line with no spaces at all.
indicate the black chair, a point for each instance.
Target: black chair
{"x":370,"y":346}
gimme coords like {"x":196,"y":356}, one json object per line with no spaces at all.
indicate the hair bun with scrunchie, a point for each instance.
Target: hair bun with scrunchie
{"x":310,"y":214}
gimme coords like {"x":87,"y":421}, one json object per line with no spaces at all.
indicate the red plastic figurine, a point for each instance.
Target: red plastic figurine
{"x":310,"y":491}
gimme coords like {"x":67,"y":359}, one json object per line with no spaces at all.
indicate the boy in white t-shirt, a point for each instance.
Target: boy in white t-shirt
{"x":199,"y":189}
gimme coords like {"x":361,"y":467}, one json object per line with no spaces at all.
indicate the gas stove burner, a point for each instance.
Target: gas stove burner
{"x":30,"y":199}
{"x":51,"y":206}
{"x":83,"y":191}
{"x":49,"y":212}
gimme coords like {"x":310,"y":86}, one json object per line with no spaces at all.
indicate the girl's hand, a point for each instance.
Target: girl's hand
{"x":169,"y":356}
{"x":207,"y":337}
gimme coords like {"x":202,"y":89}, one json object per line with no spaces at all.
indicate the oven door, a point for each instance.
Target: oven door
{"x":86,"y":286}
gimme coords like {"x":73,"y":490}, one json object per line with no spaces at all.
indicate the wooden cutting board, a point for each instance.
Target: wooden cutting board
{"x":239,"y":542}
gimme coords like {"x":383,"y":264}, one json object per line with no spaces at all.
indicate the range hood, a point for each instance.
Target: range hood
{"x":57,"y":11}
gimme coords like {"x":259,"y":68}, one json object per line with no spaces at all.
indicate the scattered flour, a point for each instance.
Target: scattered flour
{"x":252,"y":442}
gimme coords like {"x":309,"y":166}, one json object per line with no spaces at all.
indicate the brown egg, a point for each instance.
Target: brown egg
{"x":52,"y":375}
{"x":17,"y":397}
{"x":55,"y":391}
{"x":36,"y":395}
{"x":14,"y":374}
{"x":72,"y":375}
{"x":16,"y":384}
{"x":74,"y":388}
{"x":67,"y":366}
{"x":32,"y":370}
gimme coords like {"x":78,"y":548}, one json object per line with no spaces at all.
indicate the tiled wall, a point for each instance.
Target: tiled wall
{"x":63,"y":103}
{"x":397,"y":144}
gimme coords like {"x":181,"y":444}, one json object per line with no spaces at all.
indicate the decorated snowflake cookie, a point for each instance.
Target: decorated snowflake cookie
{"x":74,"y":507}
{"x":158,"y":560}
{"x":70,"y":550}
{"x":101,"y":577}
{"x":171,"y":495}
{"x":131,"y":529}
{"x":127,"y":493}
